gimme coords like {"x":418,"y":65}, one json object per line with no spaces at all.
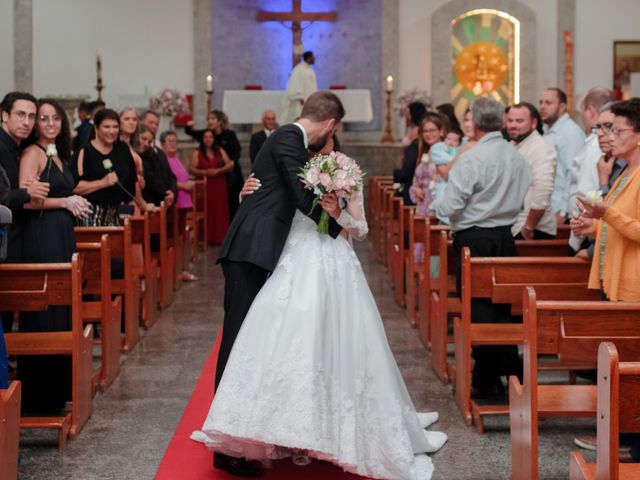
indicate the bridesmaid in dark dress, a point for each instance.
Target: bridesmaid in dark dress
{"x":212,"y":161}
{"x":48,"y":238}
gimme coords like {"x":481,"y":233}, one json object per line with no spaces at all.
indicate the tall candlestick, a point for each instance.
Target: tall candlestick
{"x":388,"y":130}
{"x":209,"y":84}
{"x":389,"y":83}
{"x":99,"y":85}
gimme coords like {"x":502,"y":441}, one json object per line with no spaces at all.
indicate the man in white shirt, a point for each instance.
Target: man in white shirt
{"x":536,"y":220}
{"x":584,"y":169}
{"x":302,"y":83}
{"x":483,"y":198}
{"x":567,"y":137}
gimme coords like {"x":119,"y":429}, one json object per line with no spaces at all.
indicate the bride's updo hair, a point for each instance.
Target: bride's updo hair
{"x":321,"y":106}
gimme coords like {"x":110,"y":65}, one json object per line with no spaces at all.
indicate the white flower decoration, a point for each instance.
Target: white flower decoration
{"x":52,"y":151}
{"x":594,"y":196}
{"x":107,"y":164}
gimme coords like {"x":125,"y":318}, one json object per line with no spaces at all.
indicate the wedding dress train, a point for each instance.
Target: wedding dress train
{"x":311,"y":369}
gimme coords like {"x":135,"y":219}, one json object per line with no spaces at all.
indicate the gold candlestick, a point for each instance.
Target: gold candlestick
{"x":99,"y":85}
{"x":388,"y":131}
{"x":209,"y":96}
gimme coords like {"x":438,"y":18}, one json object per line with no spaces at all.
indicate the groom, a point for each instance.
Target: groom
{"x":257,"y":235}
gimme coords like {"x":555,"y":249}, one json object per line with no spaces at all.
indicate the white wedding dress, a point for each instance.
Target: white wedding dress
{"x":311,"y":368}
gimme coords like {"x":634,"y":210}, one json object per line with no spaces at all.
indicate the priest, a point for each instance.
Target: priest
{"x":302,"y":83}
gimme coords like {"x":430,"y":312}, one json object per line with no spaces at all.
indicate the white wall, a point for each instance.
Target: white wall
{"x":415,"y":42}
{"x":6,"y":47}
{"x":598,"y":25}
{"x":145,"y":46}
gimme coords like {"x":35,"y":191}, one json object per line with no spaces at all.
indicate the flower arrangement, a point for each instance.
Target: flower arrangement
{"x":336,"y":173}
{"x":169,"y":102}
{"x":402,"y":101}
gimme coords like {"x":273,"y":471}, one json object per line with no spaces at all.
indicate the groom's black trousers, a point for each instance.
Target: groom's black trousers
{"x":242,"y":282}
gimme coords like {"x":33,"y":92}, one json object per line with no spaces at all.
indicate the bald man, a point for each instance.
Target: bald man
{"x":257,"y":139}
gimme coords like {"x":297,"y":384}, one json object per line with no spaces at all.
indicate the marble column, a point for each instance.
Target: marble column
{"x":23,"y":45}
{"x":202,"y":51}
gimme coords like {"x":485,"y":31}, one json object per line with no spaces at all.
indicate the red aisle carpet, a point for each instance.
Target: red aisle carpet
{"x":189,"y":460}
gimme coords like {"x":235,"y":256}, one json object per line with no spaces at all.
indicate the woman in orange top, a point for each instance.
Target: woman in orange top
{"x":615,"y":222}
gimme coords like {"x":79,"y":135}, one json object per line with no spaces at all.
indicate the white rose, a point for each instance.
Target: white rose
{"x":594,"y":196}
{"x":106,"y":163}
{"x":52,"y":151}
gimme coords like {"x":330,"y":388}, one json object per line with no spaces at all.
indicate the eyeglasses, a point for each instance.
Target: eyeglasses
{"x":52,"y":119}
{"x":605,"y":128}
{"x":431,"y":130}
{"x":615,"y":132}
{"x":22,"y":115}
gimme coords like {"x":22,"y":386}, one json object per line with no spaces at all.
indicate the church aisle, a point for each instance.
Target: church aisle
{"x":134,"y":420}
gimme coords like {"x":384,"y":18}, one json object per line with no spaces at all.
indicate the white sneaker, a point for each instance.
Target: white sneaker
{"x":426,"y":419}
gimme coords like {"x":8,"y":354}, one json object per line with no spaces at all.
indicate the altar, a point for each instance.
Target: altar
{"x":246,"y":106}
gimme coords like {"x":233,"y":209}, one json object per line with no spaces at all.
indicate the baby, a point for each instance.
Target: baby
{"x":441,"y":154}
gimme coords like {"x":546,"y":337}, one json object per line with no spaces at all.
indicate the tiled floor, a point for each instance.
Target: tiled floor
{"x":134,"y":420}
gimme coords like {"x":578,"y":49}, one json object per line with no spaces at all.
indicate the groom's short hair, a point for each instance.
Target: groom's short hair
{"x":321,"y":106}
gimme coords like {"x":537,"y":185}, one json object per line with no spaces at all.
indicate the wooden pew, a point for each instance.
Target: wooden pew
{"x":501,"y":280}
{"x":388,"y":195}
{"x":399,"y":229}
{"x":413,"y":269}
{"x":442,"y":312}
{"x":198,"y":219}
{"x":146,"y":267}
{"x":35,"y":287}
{"x":9,"y":431}
{"x":121,"y":244}
{"x":165,"y":257}
{"x":96,"y":277}
{"x":618,"y":403}
{"x":176,"y":240}
{"x":573,"y":331}
{"x":376,"y":214}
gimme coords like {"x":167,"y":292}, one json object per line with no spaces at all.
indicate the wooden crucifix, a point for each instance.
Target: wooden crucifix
{"x":296,"y":16}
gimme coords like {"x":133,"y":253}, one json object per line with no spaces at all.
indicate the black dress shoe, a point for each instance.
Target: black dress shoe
{"x":238,"y":467}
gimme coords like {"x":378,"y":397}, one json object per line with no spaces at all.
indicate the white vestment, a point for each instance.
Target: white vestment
{"x":302,"y":83}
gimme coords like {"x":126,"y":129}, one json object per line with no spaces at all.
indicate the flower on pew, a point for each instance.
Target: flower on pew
{"x":51,"y":152}
{"x":594,"y":196}
{"x":108,"y":166}
{"x":333,"y":173}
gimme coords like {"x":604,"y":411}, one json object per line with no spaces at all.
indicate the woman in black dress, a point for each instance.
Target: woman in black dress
{"x":105,"y":172}
{"x":225,"y":138}
{"x":48,"y":238}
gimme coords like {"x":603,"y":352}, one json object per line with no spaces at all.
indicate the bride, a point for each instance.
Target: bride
{"x":311,"y":370}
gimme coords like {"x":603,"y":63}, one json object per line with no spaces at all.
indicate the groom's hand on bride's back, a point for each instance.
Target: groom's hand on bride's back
{"x":251,"y":184}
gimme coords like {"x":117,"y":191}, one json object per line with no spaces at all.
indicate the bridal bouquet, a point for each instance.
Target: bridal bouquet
{"x":332,"y":173}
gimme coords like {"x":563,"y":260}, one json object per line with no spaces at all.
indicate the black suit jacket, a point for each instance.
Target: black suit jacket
{"x":257,"y":140}
{"x":261,"y":225}
{"x":158,"y":177}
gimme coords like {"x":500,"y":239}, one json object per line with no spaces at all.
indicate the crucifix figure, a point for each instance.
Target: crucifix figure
{"x":296,"y":16}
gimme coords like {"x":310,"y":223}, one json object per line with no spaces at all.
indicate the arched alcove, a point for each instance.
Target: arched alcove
{"x":441,"y":21}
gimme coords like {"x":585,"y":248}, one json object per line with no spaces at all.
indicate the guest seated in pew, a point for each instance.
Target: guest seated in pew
{"x":129,"y":135}
{"x":105,"y":173}
{"x":48,"y":238}
{"x":213,"y":162}
{"x":536,"y":220}
{"x":160,"y":182}
{"x":169,"y":142}
{"x":482,"y":200}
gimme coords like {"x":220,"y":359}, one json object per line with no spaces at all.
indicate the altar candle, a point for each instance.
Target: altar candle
{"x":389,"y":83}
{"x":209,"y":83}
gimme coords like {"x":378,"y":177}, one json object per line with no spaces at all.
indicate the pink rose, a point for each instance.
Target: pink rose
{"x":312,"y":175}
{"x":325,"y":180}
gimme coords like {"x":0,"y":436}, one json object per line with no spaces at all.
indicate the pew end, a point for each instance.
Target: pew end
{"x":10,"y":430}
